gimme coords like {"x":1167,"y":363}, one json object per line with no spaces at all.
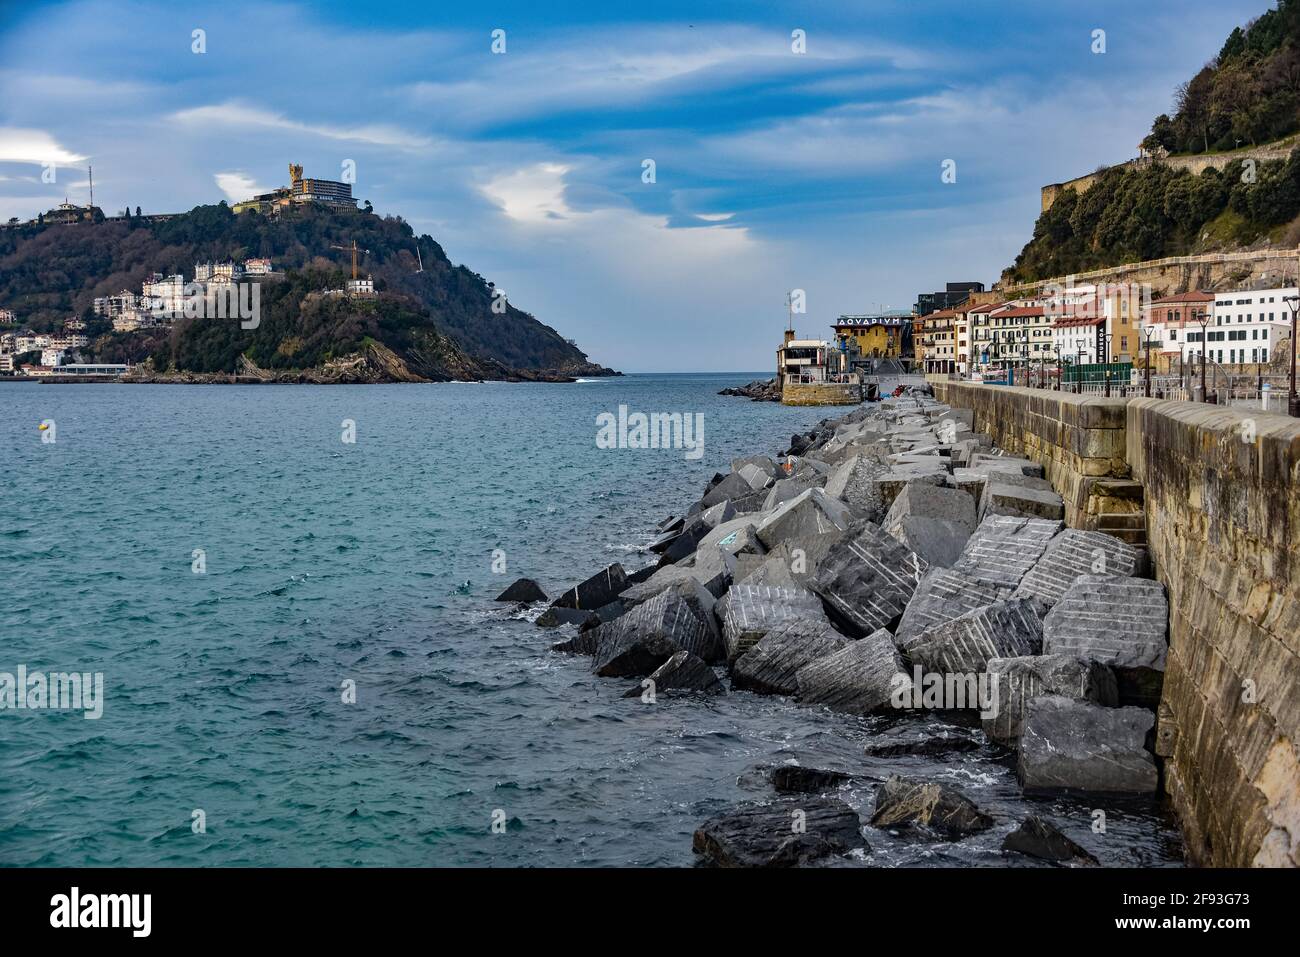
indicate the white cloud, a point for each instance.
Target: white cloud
{"x":234,"y":113}
{"x":531,"y":195}
{"x":238,"y":185}
{"x":19,"y":145}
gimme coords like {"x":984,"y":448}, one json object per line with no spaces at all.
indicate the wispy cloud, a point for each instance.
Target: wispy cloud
{"x":34,"y":146}
{"x":236,"y":114}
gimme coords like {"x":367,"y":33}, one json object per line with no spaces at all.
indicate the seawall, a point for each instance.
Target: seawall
{"x":1219,"y":494}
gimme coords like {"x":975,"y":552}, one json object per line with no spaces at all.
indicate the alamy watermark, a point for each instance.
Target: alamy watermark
{"x":656,"y":430}
{"x":55,"y":691}
{"x":946,"y":691}
{"x":225,"y":300}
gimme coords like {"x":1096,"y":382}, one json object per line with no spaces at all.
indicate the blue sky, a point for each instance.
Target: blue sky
{"x":774,"y":170}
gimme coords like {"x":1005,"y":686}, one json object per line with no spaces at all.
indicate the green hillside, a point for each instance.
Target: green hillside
{"x":1248,"y":94}
{"x":1148,"y":212}
{"x":439,"y":320}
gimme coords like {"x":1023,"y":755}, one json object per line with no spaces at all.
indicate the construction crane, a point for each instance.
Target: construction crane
{"x":354,"y":249}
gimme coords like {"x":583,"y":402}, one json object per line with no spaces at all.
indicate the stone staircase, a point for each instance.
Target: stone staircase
{"x":1122,"y":513}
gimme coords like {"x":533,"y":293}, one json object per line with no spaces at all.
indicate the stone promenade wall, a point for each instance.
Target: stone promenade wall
{"x":1079,"y":440}
{"x":1222,"y":490}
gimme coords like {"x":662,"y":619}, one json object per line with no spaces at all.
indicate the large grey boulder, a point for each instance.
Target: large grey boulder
{"x":1004,"y":548}
{"x":1079,"y":746}
{"x":797,"y":779}
{"x":1072,"y":553}
{"x":1020,"y":680}
{"x":682,"y":672}
{"x":783,"y":490}
{"x":524,"y":590}
{"x":695,"y":529}
{"x":555,"y":617}
{"x":932,"y":501}
{"x":1005,"y":463}
{"x":792,"y":564}
{"x":770,"y":666}
{"x":1001,"y":498}
{"x":1123,"y":622}
{"x":1036,"y":838}
{"x":787,"y":833}
{"x":748,"y":612}
{"x":854,"y":483}
{"x":932,"y":520}
{"x":598,"y":590}
{"x":729,"y":539}
{"x":641,"y":640}
{"x":903,"y":801}
{"x":863,"y":678}
{"x":867,"y":579}
{"x":965,"y":645}
{"x":661,"y":579}
{"x":763,"y":463}
{"x":732,"y":486}
{"x":942,"y":595}
{"x":812,"y":512}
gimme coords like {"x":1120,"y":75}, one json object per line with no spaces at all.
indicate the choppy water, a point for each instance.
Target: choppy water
{"x":327,"y":561}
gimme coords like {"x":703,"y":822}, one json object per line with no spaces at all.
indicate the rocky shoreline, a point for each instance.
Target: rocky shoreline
{"x":374,"y":365}
{"x":892,"y":562}
{"x":760,"y":390}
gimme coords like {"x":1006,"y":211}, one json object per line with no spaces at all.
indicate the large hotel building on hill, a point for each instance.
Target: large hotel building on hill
{"x":323,"y":192}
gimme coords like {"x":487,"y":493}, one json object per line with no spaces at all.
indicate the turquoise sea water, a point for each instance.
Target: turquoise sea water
{"x":371,"y":562}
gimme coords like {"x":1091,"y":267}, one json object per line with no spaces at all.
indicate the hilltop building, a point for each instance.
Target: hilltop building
{"x":300,"y":191}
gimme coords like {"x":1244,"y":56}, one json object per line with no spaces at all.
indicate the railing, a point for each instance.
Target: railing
{"x":830,"y":378}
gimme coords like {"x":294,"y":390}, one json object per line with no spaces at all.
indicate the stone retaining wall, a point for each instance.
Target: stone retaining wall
{"x":1079,"y":440}
{"x":821,"y":393}
{"x":1222,"y":491}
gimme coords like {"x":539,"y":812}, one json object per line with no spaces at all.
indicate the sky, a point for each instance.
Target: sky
{"x":774,"y":168}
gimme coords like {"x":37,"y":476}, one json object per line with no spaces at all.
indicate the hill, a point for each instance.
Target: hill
{"x":1249,"y":93}
{"x":1150,"y":209}
{"x":1148,"y":212}
{"x":438,"y":323}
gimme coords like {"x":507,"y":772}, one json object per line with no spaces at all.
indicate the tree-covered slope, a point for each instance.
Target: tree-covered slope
{"x":1248,"y":94}
{"x":1148,"y":212}
{"x":48,"y":273}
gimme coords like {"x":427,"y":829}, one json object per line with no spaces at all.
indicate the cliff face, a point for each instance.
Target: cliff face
{"x":439,"y":321}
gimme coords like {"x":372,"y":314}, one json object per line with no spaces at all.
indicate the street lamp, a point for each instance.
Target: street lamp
{"x":1202,"y":318}
{"x":1292,"y":400}
{"x":1148,"y":332}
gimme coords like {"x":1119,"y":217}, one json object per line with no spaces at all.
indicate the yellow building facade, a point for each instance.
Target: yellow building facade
{"x":875,"y":337}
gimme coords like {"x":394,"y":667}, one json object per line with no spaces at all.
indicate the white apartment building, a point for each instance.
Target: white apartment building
{"x":52,"y":357}
{"x":1248,"y":324}
{"x":115,"y":305}
{"x":258,"y":267}
{"x":31,"y":341}
{"x":217,"y":272}
{"x":164,"y":295}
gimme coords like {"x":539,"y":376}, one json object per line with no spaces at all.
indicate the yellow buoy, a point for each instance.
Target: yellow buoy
{"x":43,"y":426}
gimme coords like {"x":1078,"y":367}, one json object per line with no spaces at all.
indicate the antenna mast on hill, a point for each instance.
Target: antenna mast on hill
{"x":90,"y":171}
{"x":419,"y":258}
